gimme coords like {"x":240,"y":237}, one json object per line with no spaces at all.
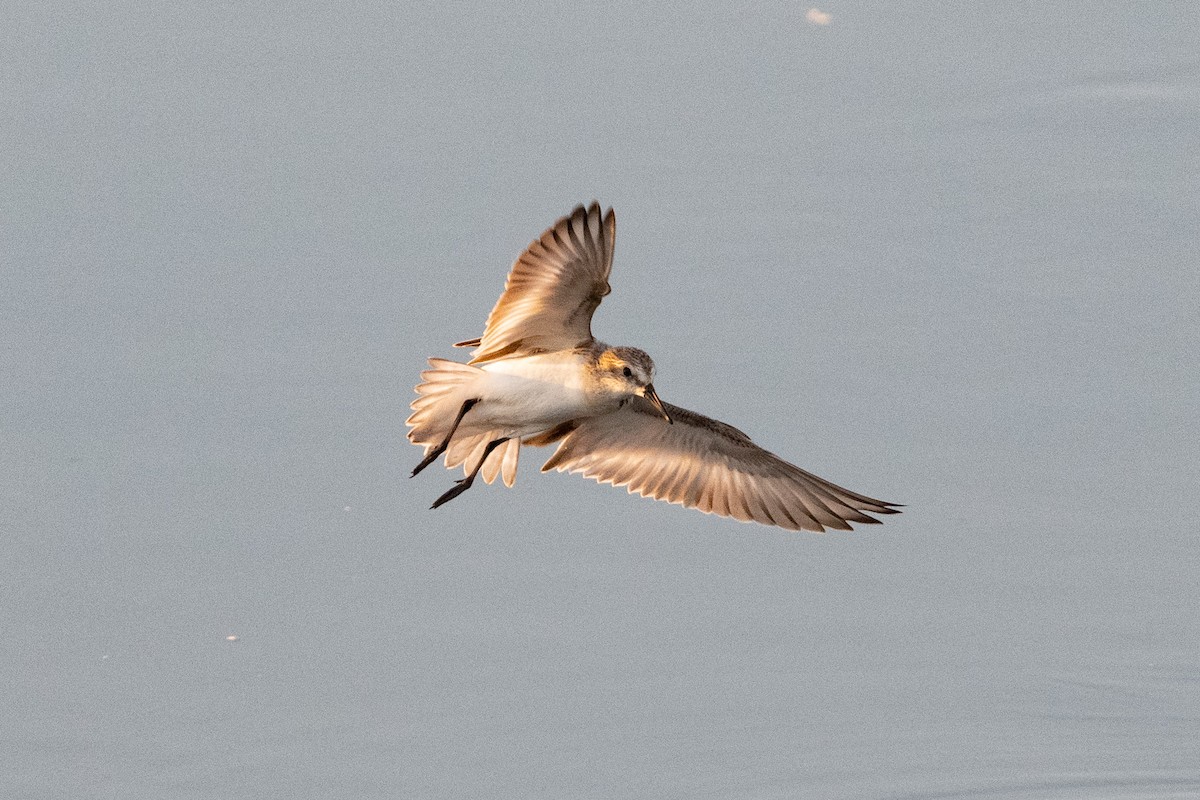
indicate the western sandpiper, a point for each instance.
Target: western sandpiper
{"x":537,"y":376}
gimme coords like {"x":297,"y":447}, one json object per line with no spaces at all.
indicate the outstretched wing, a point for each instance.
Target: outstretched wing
{"x":702,"y":463}
{"x":553,"y":288}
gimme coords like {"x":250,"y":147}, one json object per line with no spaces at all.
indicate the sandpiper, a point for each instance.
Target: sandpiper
{"x":537,"y":376}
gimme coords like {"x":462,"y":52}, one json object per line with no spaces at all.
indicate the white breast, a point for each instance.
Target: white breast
{"x":530,"y":394}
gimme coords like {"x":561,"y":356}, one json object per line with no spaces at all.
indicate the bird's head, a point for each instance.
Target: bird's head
{"x":627,"y":370}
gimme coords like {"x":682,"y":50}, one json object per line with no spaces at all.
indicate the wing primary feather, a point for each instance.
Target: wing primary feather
{"x":783,"y":516}
{"x":822,"y":513}
{"x":785,"y":509}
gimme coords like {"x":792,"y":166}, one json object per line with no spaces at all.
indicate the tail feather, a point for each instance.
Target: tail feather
{"x":443,"y":391}
{"x":503,"y":462}
{"x":467,"y":448}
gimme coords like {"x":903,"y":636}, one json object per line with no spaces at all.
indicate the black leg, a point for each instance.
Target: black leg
{"x":441,"y":448}
{"x":465,"y":483}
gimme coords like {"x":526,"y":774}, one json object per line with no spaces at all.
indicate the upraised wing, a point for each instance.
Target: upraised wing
{"x":702,"y":463}
{"x":553,"y":288}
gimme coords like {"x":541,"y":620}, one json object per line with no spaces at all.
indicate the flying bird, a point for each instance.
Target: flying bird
{"x":537,"y":377}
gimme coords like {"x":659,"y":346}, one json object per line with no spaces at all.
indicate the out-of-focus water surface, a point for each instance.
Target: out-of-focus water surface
{"x":943,"y":254}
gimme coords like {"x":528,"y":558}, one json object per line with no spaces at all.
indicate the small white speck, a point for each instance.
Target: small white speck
{"x":347,"y":508}
{"x":818,"y":17}
{"x":231,"y":638}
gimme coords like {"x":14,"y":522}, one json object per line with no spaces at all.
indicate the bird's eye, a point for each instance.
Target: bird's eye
{"x":628,"y":372}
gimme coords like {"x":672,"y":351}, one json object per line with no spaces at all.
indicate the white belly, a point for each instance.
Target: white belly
{"x":528,"y":395}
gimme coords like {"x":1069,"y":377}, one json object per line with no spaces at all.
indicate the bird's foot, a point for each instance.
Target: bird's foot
{"x":425,"y":462}
{"x":458,"y":488}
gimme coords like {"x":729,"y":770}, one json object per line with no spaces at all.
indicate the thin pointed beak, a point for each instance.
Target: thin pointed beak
{"x":652,"y":396}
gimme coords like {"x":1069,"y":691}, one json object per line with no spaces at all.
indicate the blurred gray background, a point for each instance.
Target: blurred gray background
{"x":944,"y":254}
